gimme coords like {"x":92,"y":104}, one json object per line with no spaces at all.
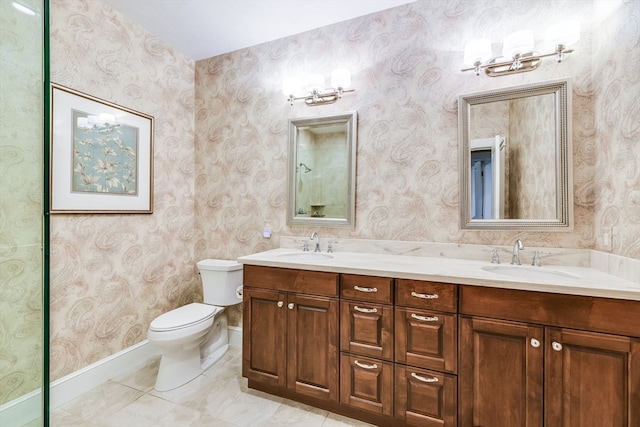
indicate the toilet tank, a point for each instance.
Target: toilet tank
{"x":221,"y":281}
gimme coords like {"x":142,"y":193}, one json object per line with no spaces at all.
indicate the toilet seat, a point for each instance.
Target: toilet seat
{"x":183,"y":317}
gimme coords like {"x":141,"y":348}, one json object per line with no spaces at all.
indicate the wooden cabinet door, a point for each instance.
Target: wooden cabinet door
{"x":425,"y":398}
{"x":312,"y":348}
{"x":366,"y":329}
{"x":366,"y":384}
{"x":427,"y":339}
{"x":263,"y":342}
{"x":591,"y":379}
{"x":500,"y":373}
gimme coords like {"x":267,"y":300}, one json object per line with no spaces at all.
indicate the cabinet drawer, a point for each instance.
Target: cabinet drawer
{"x":366,"y":329}
{"x":284,"y":279}
{"x":425,"y":398}
{"x":426,"y":338}
{"x":366,"y":384}
{"x":427,"y":295}
{"x":365,"y":288}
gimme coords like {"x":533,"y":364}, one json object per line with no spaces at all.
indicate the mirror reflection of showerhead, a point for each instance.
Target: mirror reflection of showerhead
{"x":306,"y":169}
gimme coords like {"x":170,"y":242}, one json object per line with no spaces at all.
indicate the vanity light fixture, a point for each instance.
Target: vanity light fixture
{"x":316,"y":92}
{"x":519,"y":46}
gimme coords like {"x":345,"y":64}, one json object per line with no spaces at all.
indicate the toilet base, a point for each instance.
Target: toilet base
{"x":177,"y":368}
{"x":183,"y":363}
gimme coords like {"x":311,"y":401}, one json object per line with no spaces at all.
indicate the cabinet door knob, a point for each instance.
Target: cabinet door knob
{"x":365,"y":310}
{"x":424,"y":318}
{"x":556,"y":346}
{"x":280,"y":303}
{"x":535,"y":343}
{"x":365,"y":365}
{"x":290,"y":306}
{"x":424,"y":296}
{"x":424,"y":379}
{"x":361,"y":289}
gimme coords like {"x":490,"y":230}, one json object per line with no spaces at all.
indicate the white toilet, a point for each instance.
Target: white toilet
{"x":194,"y":337}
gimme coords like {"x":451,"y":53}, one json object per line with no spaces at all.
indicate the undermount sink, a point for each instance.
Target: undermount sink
{"x":523,"y":272}
{"x":306,"y":256}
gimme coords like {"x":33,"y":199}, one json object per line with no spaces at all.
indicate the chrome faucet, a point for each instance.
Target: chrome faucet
{"x":517,"y":247}
{"x":316,"y":237}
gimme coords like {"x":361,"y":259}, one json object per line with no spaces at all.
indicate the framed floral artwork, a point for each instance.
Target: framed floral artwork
{"x":101,"y":156}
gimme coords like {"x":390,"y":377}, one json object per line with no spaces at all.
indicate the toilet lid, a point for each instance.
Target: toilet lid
{"x":184,"y":316}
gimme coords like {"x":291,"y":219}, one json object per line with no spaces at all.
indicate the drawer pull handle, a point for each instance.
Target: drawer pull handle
{"x":365,"y":310}
{"x":290,"y":306}
{"x":535,"y":343}
{"x":556,"y":346}
{"x":424,"y":379}
{"x":280,"y":303}
{"x":365,"y":365}
{"x":425,"y":318}
{"x":361,"y":289}
{"x":424,"y":296}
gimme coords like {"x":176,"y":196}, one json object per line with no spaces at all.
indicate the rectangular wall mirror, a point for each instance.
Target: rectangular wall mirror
{"x":515,"y":151}
{"x":322,"y":170}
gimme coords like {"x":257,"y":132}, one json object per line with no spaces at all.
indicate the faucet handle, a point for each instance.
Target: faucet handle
{"x":330,"y":244}
{"x":536,"y":257}
{"x":305,"y":243}
{"x":495,"y":258}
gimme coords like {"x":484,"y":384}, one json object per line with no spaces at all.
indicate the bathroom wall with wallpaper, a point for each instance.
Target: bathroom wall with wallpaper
{"x":112,"y":274}
{"x":221,"y":147}
{"x":614,"y":150}
{"x":405,"y":63}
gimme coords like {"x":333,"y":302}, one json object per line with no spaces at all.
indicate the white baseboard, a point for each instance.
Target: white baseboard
{"x":79,"y":382}
{"x":28,"y":407}
{"x":22,"y":410}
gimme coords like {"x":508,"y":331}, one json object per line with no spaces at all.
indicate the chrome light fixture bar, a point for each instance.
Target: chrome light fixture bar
{"x":519,"y":47}
{"x":317,"y":94}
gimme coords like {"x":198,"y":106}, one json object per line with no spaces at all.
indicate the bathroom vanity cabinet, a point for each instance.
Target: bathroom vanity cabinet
{"x":533,"y":359}
{"x":399,"y":352}
{"x":290,"y":331}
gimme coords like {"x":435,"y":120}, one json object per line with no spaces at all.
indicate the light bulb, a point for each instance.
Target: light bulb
{"x":340,"y":78}
{"x":291,"y":86}
{"x":477,"y":51}
{"x":315,"y":82}
{"x":563,"y":33}
{"x":519,"y":42}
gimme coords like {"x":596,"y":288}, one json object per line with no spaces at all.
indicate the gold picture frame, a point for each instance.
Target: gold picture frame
{"x":101,"y":155}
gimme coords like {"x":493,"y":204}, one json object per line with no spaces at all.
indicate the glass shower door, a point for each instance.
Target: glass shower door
{"x":21,"y":212}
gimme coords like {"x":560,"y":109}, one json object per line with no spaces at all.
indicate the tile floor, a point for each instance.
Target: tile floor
{"x":217,"y":398}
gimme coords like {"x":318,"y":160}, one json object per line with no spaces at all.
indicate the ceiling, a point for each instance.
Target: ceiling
{"x":204,"y":28}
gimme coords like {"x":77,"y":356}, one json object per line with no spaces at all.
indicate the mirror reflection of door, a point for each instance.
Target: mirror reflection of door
{"x":488,"y":178}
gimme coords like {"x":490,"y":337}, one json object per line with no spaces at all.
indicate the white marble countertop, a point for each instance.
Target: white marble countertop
{"x":573,"y":280}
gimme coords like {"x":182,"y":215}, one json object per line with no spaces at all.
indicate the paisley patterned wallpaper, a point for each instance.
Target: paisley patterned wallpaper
{"x":405,"y":63}
{"x":221,"y":146}
{"x":112,"y":274}
{"x":614,"y":151}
